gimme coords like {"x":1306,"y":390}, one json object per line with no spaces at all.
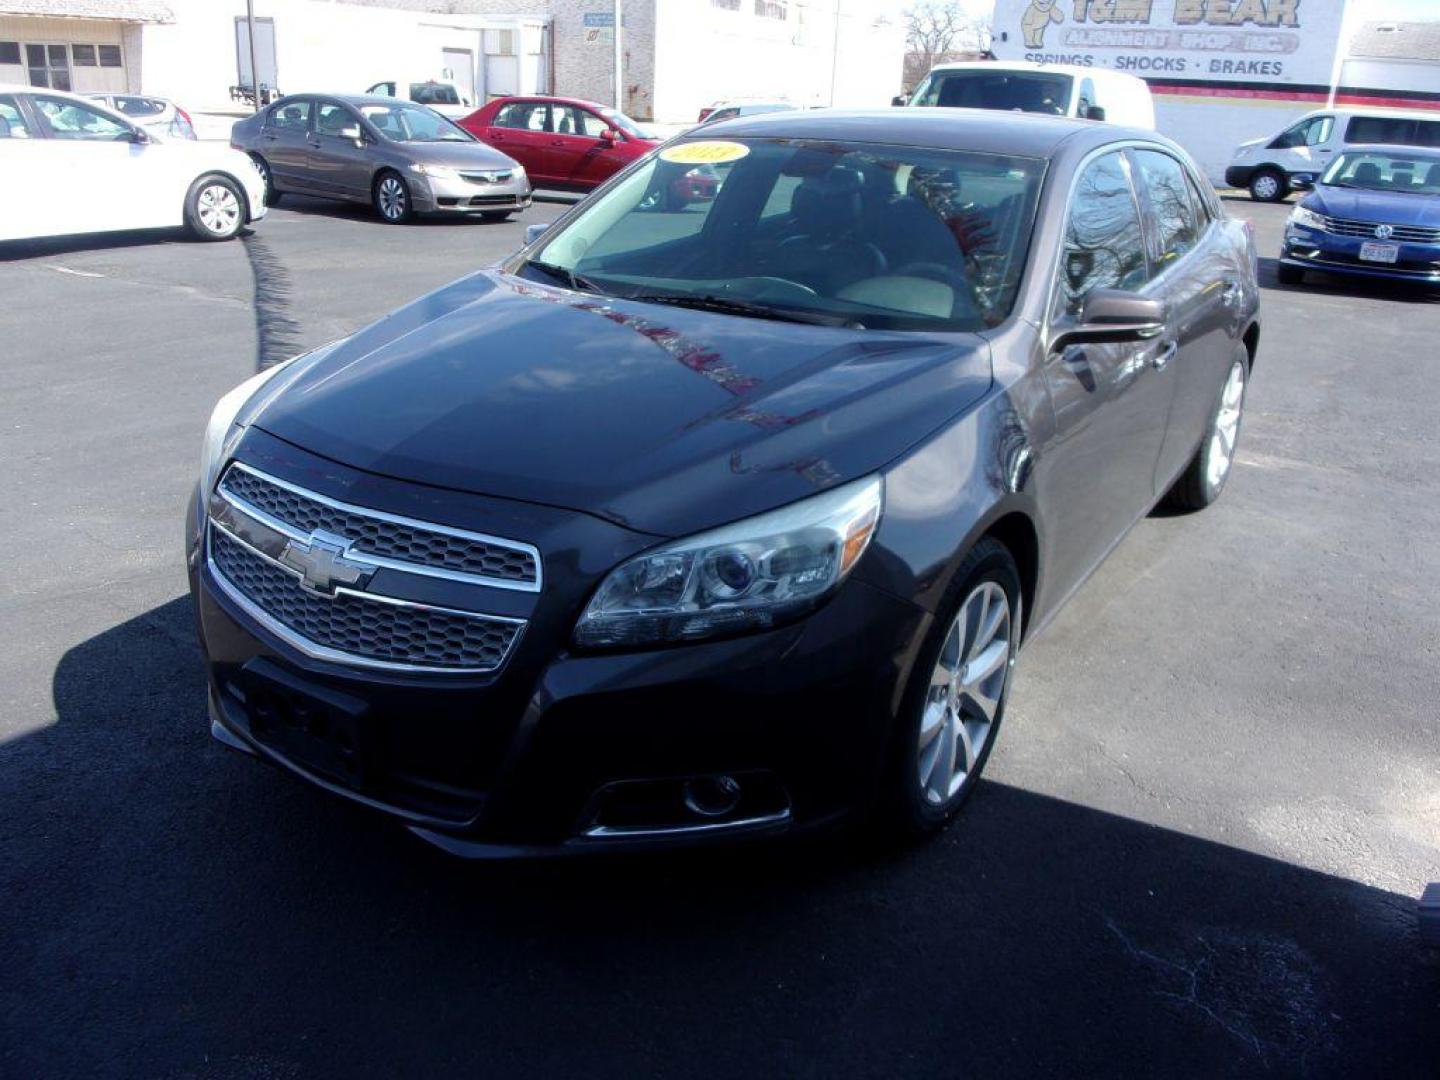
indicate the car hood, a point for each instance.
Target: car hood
{"x":1389,"y":207}
{"x":663,"y":419}
{"x":458,"y":155}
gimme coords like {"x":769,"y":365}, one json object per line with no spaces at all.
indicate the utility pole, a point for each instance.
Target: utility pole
{"x":834,"y":53}
{"x":619,"y":54}
{"x":254,"y":67}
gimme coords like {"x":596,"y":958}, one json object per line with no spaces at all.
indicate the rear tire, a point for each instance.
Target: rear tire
{"x":956,"y":698}
{"x":215,"y":208}
{"x":1204,"y":478}
{"x":272,"y":195}
{"x":391,"y":198}
{"x":1289,"y":275}
{"x":1269,"y":185}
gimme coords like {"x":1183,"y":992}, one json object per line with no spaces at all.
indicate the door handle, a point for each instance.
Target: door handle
{"x":268,"y":136}
{"x":1164,"y":356}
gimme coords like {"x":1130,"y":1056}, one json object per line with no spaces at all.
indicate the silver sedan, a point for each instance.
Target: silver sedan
{"x":403,"y":159}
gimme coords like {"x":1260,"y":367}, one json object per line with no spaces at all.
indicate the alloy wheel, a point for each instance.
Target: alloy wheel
{"x":1265,"y":187}
{"x":392,"y":198}
{"x":1227,"y":427}
{"x":218,"y":209}
{"x":966,"y":688}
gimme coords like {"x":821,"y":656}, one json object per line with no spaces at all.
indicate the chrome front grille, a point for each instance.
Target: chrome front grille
{"x":1405,"y":234}
{"x":414,"y":544}
{"x":309,"y":569}
{"x":358,"y":626}
{"x":487,"y":177}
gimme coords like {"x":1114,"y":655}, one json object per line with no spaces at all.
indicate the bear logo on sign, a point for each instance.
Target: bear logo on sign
{"x":1038,"y":16}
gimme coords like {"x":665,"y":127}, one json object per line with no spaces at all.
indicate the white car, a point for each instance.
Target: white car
{"x":1088,"y":93}
{"x":156,"y":115}
{"x":70,"y":165}
{"x":440,"y":94}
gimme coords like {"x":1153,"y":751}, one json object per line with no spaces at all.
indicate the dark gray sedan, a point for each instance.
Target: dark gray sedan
{"x":401,"y":158}
{"x":730,"y":518}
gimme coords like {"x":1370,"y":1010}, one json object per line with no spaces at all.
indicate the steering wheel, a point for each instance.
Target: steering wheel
{"x":844,"y":250}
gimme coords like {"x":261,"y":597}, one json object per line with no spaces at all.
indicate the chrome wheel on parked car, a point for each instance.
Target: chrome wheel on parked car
{"x":966,"y":687}
{"x":1227,"y":427}
{"x":214,"y":209}
{"x":392,"y":198}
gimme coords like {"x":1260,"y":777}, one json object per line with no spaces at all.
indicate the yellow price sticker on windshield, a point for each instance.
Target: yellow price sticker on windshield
{"x":709,"y":152}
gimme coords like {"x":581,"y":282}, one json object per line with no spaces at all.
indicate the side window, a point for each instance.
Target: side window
{"x":524,"y":116}
{"x":570,"y":120}
{"x":1173,"y":212}
{"x":138,"y":106}
{"x":12,"y":124}
{"x":289,"y":116}
{"x":70,"y":120}
{"x":382,"y":89}
{"x":1103,"y":243}
{"x":1393,"y":130}
{"x":724,"y":114}
{"x":1427,"y":133}
{"x":1319,"y":133}
{"x":333,"y":119}
{"x":1087,"y":97}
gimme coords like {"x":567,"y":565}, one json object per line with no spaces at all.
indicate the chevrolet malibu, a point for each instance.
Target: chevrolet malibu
{"x":731,"y":520}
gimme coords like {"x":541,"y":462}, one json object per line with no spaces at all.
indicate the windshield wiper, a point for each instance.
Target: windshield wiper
{"x":726,"y":306}
{"x":561,"y":273}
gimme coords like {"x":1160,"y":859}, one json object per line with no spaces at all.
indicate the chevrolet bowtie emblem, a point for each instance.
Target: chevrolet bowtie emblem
{"x":321,"y":561}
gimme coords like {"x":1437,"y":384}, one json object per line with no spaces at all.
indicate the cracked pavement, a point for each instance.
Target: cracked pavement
{"x":1215,"y":796}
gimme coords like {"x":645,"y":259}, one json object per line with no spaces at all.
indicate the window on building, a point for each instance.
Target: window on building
{"x":48,"y":65}
{"x":83,"y":56}
{"x":771,"y":9}
{"x":109,"y":55}
{"x":726,"y":5}
{"x":1103,"y":248}
{"x":9,"y":52}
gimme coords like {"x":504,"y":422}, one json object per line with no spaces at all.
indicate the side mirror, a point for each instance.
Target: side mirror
{"x":1095,"y":112}
{"x":532,"y":232}
{"x":354,"y":134}
{"x":138,"y":137}
{"x":609,"y":135}
{"x":1302,"y":181}
{"x":899,"y":100}
{"x":1111,"y":316}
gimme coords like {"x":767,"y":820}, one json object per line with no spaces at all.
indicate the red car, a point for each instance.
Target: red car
{"x":563,"y":143}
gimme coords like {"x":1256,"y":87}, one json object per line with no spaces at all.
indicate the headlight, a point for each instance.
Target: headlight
{"x":1244,"y":152}
{"x":1307,"y":219}
{"x":220,"y":432}
{"x":440,"y":172}
{"x":747,"y":576}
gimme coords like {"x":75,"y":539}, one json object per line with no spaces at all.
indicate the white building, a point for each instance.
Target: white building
{"x":1223,"y":71}
{"x":678,"y":55}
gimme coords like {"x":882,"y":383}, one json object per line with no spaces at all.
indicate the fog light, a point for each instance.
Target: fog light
{"x":712,"y":796}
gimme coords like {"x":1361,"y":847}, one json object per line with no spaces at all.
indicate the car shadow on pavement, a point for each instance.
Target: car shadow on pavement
{"x":1340,"y":285}
{"x":12,"y":250}
{"x":174,"y":909}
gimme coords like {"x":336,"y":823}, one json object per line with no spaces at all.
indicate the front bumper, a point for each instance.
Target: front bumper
{"x":459,"y":196}
{"x":1312,"y":249}
{"x":1238,"y":176}
{"x":563,"y":753}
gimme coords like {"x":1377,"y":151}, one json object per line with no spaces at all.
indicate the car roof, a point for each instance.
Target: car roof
{"x":349,"y":99}
{"x":981,"y":130}
{"x":80,"y":99}
{"x":552,"y":99}
{"x":1365,"y":110}
{"x":1078,"y":71}
{"x":1393,"y":150}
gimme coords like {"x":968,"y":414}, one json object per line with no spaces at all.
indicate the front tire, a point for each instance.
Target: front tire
{"x":1269,"y":185}
{"x":391,"y":196}
{"x":1204,"y":478}
{"x":215,"y":208}
{"x":956,"y":697}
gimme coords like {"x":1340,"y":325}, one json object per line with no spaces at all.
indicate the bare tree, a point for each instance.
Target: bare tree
{"x":936,"y":27}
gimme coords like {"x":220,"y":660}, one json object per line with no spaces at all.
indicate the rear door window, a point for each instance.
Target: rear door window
{"x":524,"y":116}
{"x":1104,"y":245}
{"x":1176,"y":226}
{"x":71,"y":120}
{"x":1393,"y":130}
{"x":289,"y":116}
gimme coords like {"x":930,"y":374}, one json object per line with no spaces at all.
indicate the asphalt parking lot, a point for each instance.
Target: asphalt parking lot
{"x":1195,"y":852}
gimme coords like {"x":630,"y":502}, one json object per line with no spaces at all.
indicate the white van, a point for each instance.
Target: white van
{"x":442,"y":95}
{"x":1274,"y":166}
{"x":1090,"y":93}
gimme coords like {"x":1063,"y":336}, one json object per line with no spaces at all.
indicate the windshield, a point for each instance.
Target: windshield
{"x":1011,"y":91}
{"x":625,"y":124}
{"x":413,"y":123}
{"x":1408,"y":173}
{"x":876,"y":236}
